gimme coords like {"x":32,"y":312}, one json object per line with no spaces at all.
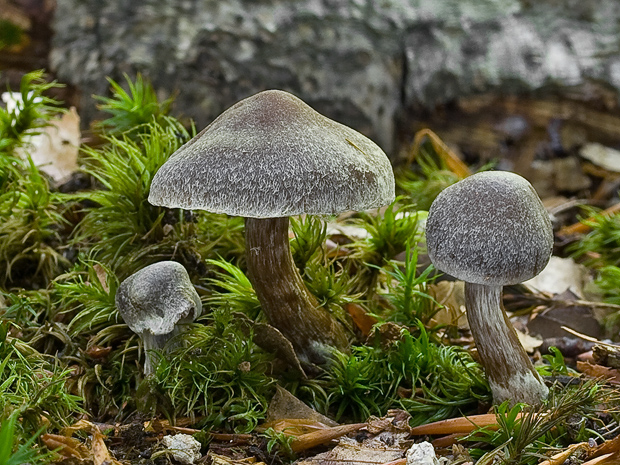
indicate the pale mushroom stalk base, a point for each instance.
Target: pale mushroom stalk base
{"x":283,"y":296}
{"x":509,"y":370}
{"x":152,"y":342}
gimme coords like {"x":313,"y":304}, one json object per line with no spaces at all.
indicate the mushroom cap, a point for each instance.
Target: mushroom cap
{"x":156,"y":298}
{"x":490,"y":228}
{"x":271,"y":155}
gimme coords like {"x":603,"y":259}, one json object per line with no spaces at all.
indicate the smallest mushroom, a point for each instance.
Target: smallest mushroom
{"x":155,"y":303}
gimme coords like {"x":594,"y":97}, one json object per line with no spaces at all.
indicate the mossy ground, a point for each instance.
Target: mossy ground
{"x":65,"y":353}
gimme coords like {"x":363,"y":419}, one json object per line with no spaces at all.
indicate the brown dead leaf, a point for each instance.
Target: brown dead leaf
{"x":579,"y":315}
{"x":612,"y":375}
{"x":98,"y":352}
{"x":102,"y":276}
{"x":609,"y":446}
{"x":99,"y":453}
{"x":451,"y":295}
{"x":294,"y":426}
{"x":285,"y":406}
{"x":163,"y":426}
{"x":67,"y":446}
{"x":55,"y":150}
{"x":362,"y":320}
{"x":396,"y":421}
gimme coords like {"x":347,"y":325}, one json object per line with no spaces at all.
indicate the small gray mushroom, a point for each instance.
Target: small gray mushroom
{"x":266,"y":158}
{"x":491,"y":230}
{"x":155,"y":303}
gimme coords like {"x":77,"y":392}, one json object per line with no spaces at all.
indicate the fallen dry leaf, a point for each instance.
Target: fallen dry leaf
{"x":102,"y":276}
{"x":529,"y":343}
{"x":605,"y":157}
{"x":98,"y":453}
{"x":294,"y":426}
{"x":451,"y":295}
{"x":559,"y":275}
{"x":362,"y":320}
{"x":55,"y":150}
{"x":98,"y":352}
{"x":66,"y":446}
{"x":581,"y":315}
{"x":285,"y":406}
{"x":612,"y":375}
{"x":396,"y":421}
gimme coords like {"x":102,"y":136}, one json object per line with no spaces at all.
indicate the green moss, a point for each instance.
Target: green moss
{"x":64,"y":350}
{"x":441,"y":381}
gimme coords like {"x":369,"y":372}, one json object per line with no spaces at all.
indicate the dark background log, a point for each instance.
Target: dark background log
{"x":362,"y":62}
{"x":489,"y":76}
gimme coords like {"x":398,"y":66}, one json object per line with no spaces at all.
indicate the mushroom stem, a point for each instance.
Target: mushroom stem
{"x":283,"y":296}
{"x":509,"y":370}
{"x":152,"y":342}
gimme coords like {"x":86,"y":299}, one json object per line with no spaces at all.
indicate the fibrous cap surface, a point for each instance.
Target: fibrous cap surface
{"x":490,"y":228}
{"x":272,"y":155}
{"x":156,"y":298}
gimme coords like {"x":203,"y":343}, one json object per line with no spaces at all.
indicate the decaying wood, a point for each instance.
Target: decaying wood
{"x":606,"y":355}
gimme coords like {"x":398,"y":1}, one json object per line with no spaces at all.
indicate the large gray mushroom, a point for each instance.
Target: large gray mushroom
{"x":156,"y":303}
{"x":266,"y":158}
{"x":491,"y":230}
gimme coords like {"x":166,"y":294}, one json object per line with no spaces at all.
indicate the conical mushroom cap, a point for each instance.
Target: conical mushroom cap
{"x":490,"y":228}
{"x":158,"y":297}
{"x":271,"y":155}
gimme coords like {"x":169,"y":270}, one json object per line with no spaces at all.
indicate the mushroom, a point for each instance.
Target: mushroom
{"x":268,"y":157}
{"x":155,"y":303}
{"x":491,"y":230}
